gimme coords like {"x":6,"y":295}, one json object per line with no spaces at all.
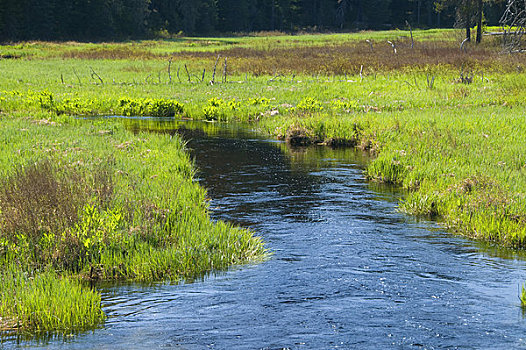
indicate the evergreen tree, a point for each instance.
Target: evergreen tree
{"x":117,"y":19}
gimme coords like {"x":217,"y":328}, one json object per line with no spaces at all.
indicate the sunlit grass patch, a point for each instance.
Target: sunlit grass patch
{"x":43,"y":302}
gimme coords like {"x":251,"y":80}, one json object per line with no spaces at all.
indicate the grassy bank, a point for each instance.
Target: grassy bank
{"x":465,"y":170}
{"x":90,"y":200}
{"x":445,"y":124}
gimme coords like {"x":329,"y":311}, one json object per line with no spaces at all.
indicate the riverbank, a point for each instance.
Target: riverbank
{"x":88,"y":200}
{"x":465,"y":169}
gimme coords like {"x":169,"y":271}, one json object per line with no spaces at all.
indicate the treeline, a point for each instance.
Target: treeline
{"x":122,"y":19}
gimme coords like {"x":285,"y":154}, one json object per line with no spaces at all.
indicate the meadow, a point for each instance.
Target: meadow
{"x":443,"y":123}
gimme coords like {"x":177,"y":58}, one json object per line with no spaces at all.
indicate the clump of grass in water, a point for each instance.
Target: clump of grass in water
{"x":150,"y":107}
{"x":46,"y":302}
{"x":522,"y":296}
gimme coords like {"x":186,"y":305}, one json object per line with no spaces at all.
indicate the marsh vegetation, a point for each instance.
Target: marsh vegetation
{"x":89,"y":199}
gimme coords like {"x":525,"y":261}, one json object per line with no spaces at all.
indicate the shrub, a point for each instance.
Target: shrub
{"x":39,"y":200}
{"x":309,"y":104}
{"x":54,"y":215}
{"x":150,"y":107}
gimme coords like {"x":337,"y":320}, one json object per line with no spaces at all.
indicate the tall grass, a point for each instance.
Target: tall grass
{"x":91,"y":199}
{"x":46,"y":302}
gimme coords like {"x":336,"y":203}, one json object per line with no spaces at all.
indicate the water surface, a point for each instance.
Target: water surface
{"x":347,"y":272}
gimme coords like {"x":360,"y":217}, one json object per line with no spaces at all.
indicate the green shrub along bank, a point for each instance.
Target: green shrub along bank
{"x":91,"y":200}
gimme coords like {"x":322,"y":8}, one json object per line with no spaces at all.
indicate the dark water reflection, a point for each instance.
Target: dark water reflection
{"x":348,"y":271}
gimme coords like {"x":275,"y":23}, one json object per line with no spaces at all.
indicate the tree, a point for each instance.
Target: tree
{"x":468,"y":11}
{"x":464,"y":10}
{"x":514,"y":22}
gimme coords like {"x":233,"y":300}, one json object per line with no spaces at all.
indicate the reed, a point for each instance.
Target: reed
{"x":45,"y":301}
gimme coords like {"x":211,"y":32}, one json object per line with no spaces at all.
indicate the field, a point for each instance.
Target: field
{"x":445,"y":124}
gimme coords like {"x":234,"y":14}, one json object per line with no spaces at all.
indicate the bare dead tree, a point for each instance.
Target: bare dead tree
{"x":411,"y":31}
{"x":393,"y":46}
{"x":513,"y":22}
{"x":214,"y":73}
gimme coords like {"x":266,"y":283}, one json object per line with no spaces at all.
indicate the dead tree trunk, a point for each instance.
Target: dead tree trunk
{"x":479,"y":21}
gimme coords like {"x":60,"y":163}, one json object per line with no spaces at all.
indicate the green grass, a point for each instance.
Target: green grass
{"x":46,"y":301}
{"x":445,"y":125}
{"x":90,"y":199}
{"x":151,"y":48}
{"x":466,"y":169}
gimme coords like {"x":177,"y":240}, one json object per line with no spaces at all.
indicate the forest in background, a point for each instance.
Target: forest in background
{"x":88,"y":20}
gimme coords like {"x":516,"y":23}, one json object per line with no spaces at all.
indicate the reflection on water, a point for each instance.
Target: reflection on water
{"x":348,"y":270}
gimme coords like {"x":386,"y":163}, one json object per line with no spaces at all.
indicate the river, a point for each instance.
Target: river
{"x":347,"y":270}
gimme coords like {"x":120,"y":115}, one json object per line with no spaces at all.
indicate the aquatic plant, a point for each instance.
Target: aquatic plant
{"x":150,"y":107}
{"x":309,"y":104}
{"x":218,"y":109}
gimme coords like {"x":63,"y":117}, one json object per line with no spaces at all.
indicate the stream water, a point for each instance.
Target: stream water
{"x":347,"y":271}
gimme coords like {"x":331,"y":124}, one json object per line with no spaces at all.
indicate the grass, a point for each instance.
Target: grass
{"x":90,"y":200}
{"x":47,"y":301}
{"x":445,"y":125}
{"x":467,"y":170}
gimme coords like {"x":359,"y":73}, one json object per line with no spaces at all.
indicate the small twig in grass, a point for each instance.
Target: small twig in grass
{"x":62,"y":78}
{"x":430,"y":82}
{"x":225,"y":70}
{"x":214,"y":73}
{"x":392,"y":45}
{"x":187,"y":73}
{"x":203,"y":77}
{"x":416,"y":84}
{"x":370,"y":44}
{"x":275,"y":77}
{"x":178,"y":77}
{"x":148,"y":77}
{"x":78,"y":78}
{"x":462,"y":45}
{"x":361,"y":72}
{"x":170,"y":71}
{"x":94,"y":74}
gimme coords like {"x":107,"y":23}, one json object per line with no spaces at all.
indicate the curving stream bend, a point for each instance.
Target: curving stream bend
{"x":347,"y":272}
